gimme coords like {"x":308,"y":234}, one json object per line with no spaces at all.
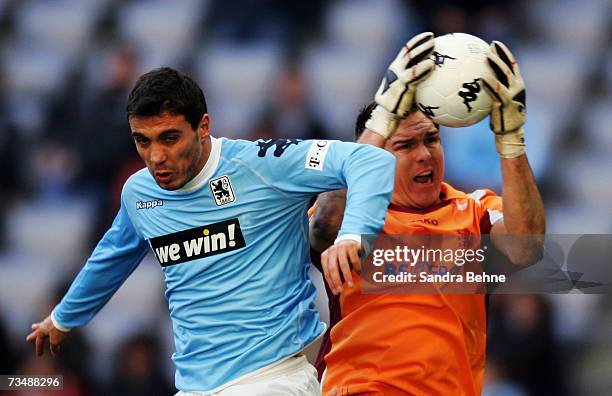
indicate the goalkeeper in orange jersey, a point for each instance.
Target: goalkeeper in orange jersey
{"x":434,"y":344}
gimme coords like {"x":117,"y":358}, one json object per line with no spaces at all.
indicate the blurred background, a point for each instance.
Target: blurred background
{"x":273,"y":68}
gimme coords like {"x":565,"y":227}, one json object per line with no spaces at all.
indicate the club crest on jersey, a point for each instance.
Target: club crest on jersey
{"x":222,"y":191}
{"x":149,"y":204}
{"x":199,"y":242}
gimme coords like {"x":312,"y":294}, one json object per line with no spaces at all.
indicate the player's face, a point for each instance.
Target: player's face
{"x":173,"y":151}
{"x":420,"y":162}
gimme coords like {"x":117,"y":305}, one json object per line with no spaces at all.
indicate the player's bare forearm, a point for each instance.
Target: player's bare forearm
{"x":524,"y":217}
{"x":327,"y":218}
{"x":523,"y":207}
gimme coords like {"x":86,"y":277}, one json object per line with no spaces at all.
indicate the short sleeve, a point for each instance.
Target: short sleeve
{"x":489,"y":207}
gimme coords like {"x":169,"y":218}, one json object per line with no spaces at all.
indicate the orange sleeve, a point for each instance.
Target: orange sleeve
{"x":491,"y":210}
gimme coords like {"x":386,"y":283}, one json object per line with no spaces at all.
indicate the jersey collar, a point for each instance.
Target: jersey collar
{"x":447,"y":194}
{"x":208,"y":170}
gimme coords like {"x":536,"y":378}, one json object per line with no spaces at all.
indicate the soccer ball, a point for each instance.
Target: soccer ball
{"x":453,"y":94}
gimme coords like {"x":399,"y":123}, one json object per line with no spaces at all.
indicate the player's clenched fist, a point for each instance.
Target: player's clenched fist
{"x":395,"y":96}
{"x":337,"y":262}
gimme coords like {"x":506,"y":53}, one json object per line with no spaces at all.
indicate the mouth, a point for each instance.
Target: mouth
{"x":425,"y":177}
{"x":163,"y":176}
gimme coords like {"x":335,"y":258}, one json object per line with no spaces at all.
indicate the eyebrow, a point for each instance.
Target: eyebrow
{"x":161,"y":135}
{"x":402,"y":141}
{"x":169,"y":132}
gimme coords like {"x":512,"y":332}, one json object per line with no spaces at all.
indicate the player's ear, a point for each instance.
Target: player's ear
{"x":204,"y":127}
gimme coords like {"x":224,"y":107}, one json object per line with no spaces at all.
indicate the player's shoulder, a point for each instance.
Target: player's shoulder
{"x":481,"y":194}
{"x":262,"y":148}
{"x":138,"y":181}
{"x":476,"y":196}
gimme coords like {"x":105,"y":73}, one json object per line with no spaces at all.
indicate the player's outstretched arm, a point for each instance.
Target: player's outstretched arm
{"x":394,"y":100}
{"x":329,"y":208}
{"x":520,"y":235}
{"x":115,"y":257}
{"x":337,"y":260}
{"x":44,"y":330}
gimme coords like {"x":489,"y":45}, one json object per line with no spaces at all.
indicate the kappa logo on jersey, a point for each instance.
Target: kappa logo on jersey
{"x":316,"y":154}
{"x":222,"y":191}
{"x":199,"y":242}
{"x":149,"y":204}
{"x":281,"y":146}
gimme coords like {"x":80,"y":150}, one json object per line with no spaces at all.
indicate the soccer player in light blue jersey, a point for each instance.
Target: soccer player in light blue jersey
{"x":226,"y":220}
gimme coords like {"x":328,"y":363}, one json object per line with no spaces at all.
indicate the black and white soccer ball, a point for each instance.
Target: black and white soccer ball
{"x":453,"y":94}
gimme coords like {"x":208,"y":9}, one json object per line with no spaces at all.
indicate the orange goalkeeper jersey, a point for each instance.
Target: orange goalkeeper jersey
{"x":414,"y":344}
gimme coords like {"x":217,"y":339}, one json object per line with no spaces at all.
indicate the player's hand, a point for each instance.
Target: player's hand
{"x":336,"y":262}
{"x":395,"y":96}
{"x":507,"y":90}
{"x":42,"y":331}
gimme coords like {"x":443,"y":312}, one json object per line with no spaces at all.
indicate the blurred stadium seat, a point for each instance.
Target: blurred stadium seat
{"x":45,"y":24}
{"x":236,"y":80}
{"x":597,"y":119}
{"x":373,"y":26}
{"x":553,"y":75}
{"x":332,"y":74}
{"x":56,"y":231}
{"x":163,"y":31}
{"x":576,"y":25}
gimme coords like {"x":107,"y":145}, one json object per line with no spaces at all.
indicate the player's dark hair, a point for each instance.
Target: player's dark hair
{"x":167,"y":90}
{"x":364,"y":115}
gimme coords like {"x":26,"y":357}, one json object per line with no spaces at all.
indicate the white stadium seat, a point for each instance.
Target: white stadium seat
{"x":237,"y":81}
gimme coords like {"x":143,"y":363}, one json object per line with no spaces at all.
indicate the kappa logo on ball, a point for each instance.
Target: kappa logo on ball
{"x":222,"y":191}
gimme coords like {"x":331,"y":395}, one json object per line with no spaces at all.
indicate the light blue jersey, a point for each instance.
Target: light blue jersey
{"x":233,"y":245}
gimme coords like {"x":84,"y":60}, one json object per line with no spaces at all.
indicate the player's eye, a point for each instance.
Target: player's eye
{"x":140,"y":140}
{"x":172,"y":139}
{"x":432,"y":139}
{"x":407,"y":145}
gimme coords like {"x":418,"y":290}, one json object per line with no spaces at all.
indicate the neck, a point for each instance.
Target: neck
{"x":206,"y":148}
{"x":398,"y":198}
{"x":206,"y":166}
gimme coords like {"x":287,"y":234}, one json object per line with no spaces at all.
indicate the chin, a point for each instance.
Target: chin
{"x":171,"y":186}
{"x":427,"y":198}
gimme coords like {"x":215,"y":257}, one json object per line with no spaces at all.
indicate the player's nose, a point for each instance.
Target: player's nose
{"x":422,"y":153}
{"x":157,"y":156}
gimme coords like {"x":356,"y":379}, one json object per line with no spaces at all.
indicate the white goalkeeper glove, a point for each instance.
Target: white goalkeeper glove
{"x":395,"y":96}
{"x":508,"y":112}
